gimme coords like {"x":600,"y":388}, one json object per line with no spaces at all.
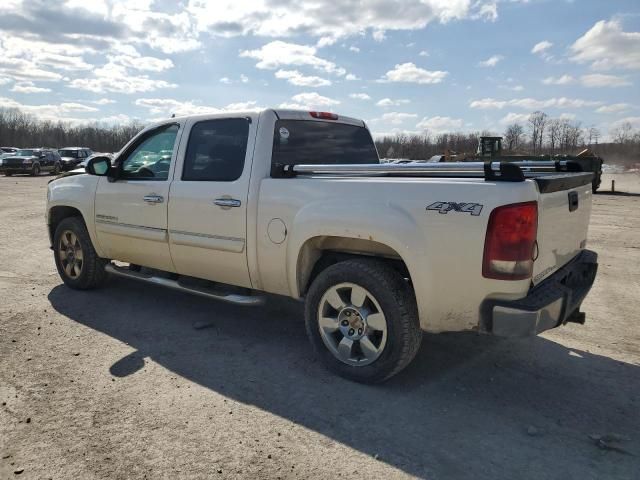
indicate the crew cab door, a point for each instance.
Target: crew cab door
{"x":208,"y":207}
{"x":131,"y":212}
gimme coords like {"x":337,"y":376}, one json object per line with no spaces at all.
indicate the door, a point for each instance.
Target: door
{"x":131,"y":212}
{"x":207,"y":212}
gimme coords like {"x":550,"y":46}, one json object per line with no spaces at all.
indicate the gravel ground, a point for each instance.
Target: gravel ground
{"x":124,"y":383}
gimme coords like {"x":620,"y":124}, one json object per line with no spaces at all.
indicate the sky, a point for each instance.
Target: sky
{"x":410,"y":66}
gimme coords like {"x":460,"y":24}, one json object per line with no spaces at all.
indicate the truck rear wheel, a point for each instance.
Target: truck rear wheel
{"x":77,"y":262}
{"x":362,"y":320}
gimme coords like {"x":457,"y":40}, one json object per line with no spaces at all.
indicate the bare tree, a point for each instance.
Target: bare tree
{"x":537,"y":125}
{"x":513,"y":136}
{"x":553,"y":134}
{"x":622,"y":134}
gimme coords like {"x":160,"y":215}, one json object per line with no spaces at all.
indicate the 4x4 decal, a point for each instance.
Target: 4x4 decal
{"x":446,"y":207}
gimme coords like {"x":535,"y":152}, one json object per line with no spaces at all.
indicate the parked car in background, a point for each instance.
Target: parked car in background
{"x":32,"y":161}
{"x":73,"y":156}
{"x":6,"y":151}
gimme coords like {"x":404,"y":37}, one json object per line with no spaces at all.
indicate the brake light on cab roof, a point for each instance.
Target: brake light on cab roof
{"x":324,"y":115}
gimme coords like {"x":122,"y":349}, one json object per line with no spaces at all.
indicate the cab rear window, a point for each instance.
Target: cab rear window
{"x":311,"y":142}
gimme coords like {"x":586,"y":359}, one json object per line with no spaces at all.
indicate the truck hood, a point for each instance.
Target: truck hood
{"x":71,"y":173}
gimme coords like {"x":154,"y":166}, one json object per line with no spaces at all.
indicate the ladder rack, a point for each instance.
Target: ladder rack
{"x":490,"y":171}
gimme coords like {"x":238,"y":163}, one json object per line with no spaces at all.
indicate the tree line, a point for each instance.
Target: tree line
{"x":541,"y":134}
{"x":19,"y":129}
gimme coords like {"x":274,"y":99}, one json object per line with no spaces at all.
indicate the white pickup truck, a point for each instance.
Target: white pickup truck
{"x":297,"y":204}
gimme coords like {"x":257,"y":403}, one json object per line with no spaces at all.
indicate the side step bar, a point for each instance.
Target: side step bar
{"x":247,"y":300}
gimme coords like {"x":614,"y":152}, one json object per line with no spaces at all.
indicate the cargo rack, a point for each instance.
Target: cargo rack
{"x":489,"y":170}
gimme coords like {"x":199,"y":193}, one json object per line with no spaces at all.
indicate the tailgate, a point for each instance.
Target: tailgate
{"x":564,"y":209}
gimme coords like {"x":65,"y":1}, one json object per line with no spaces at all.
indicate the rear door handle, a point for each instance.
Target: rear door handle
{"x":153,"y":198}
{"x":227,"y":202}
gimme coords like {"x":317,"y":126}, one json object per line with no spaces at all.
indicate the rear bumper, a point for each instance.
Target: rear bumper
{"x":549,"y":304}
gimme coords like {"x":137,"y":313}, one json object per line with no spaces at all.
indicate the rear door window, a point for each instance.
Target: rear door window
{"x":216,"y":150}
{"x":311,"y":142}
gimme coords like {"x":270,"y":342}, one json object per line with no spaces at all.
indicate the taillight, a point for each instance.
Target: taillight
{"x":324,"y":115}
{"x":511,"y":238}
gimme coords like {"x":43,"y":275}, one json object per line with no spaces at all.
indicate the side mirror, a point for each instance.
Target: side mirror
{"x":99,"y":166}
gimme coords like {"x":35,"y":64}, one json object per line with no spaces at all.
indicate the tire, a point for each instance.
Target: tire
{"x":89,"y":272}
{"x":328,"y":327}
{"x":35,"y":170}
{"x":7,"y":174}
{"x":56,"y":169}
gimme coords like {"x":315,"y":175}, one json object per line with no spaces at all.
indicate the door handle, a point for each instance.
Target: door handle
{"x":153,"y":198}
{"x":227,"y":202}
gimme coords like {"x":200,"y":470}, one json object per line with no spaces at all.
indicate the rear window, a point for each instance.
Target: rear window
{"x":310,"y":142}
{"x":216,"y":150}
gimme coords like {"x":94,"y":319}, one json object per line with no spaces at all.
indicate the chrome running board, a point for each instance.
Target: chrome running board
{"x":248,"y":300}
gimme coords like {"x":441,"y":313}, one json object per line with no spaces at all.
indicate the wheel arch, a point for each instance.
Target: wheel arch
{"x":58,"y":213}
{"x":320,"y":252}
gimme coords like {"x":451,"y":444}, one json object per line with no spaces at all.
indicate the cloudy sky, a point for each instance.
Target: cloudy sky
{"x":405,"y":65}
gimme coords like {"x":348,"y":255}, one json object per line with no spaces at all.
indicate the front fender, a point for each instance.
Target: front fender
{"x":79,"y":192}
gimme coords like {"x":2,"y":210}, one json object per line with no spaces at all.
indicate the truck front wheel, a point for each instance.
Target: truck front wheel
{"x":362,"y":320}
{"x":78,"y":264}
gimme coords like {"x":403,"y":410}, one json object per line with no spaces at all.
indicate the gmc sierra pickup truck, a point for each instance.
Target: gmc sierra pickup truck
{"x":297,"y":203}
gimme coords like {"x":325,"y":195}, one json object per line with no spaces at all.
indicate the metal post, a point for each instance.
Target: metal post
{"x":613,"y":185}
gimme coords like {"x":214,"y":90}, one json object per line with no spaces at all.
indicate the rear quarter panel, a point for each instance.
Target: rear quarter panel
{"x":443,"y":252}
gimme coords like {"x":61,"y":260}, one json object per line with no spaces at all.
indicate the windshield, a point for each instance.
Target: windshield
{"x":68,"y":153}
{"x":310,"y":142}
{"x":25,"y":153}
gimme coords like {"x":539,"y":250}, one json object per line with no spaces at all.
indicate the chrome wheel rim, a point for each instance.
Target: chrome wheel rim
{"x":352,"y":324}
{"x":70,"y":254}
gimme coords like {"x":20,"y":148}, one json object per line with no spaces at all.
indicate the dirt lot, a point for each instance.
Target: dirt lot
{"x":117,"y":383}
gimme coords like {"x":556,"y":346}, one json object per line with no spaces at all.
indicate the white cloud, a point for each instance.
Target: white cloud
{"x":294,"y":77}
{"x":351,"y":77}
{"x":165,"y":107}
{"x":28,"y":87}
{"x":614,"y":108}
{"x":278,"y":53}
{"x":440,"y":124}
{"x":326,"y":18}
{"x":511,"y":117}
{"x":360,"y":96}
{"x":424,"y":53}
{"x":591,"y":80}
{"x":533,"y":104}
{"x":115,"y":78}
{"x":602,"y":80}
{"x":387,"y":102}
{"x":396,"y":118}
{"x":562,"y":80}
{"x":314,"y":99}
{"x":103,"y":101}
{"x":541,"y":47}
{"x":410,"y":73}
{"x":606,"y":46}
{"x":225,"y":80}
{"x":138,"y":62}
{"x":244,"y":78}
{"x":491,"y":61}
{"x":355,"y":49}
{"x":54,"y":112}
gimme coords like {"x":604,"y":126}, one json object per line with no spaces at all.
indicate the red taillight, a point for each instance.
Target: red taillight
{"x":324,"y":115}
{"x":511,"y":237}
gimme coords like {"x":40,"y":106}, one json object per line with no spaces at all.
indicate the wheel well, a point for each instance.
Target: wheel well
{"x":319,"y":253}
{"x":59,"y":213}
